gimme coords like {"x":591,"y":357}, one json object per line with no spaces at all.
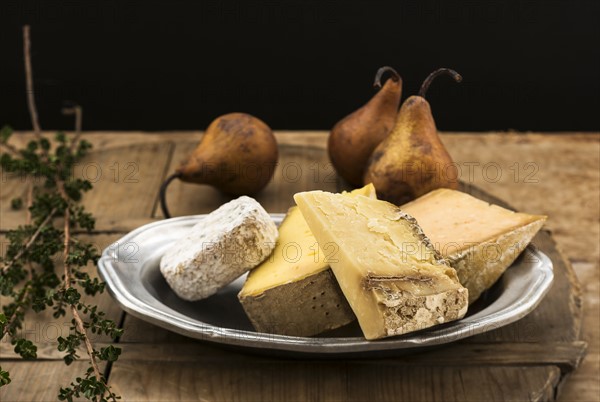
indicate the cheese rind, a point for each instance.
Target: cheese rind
{"x":304,"y":307}
{"x":480,"y":240}
{"x":226,"y":243}
{"x":294,"y":292}
{"x":392,"y":277}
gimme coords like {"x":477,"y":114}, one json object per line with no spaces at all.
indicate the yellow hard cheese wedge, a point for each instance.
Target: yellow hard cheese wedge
{"x":392,"y":277}
{"x":480,"y":240}
{"x":294,"y":292}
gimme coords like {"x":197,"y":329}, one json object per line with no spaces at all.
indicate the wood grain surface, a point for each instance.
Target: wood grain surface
{"x":541,"y":357}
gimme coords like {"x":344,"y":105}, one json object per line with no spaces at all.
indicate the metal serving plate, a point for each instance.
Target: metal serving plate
{"x":130,"y":268}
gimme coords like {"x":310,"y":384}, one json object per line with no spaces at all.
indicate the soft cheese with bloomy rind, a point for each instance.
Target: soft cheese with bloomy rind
{"x":294,"y":292}
{"x":392,"y":277}
{"x":226,"y":243}
{"x":480,"y":240}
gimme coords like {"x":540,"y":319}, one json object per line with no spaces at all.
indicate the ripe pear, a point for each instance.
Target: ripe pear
{"x":237,"y":155}
{"x":412,"y":160}
{"x":353,"y":139}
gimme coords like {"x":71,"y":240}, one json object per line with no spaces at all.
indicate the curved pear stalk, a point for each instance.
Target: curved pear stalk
{"x":237,"y":155}
{"x":386,"y":69}
{"x":440,"y":71}
{"x":412,"y":160}
{"x":163,"y":194}
{"x":353,"y":139}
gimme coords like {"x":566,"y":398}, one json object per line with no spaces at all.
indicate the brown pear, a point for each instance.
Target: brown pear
{"x":353,"y":139}
{"x":237,"y":155}
{"x":412,"y":160}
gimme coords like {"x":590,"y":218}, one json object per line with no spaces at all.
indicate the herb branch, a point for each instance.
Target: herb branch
{"x":28,"y":271}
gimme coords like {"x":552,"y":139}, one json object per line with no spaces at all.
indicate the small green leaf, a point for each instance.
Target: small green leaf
{"x":32,"y":146}
{"x":72,"y":296}
{"x":6,"y":162}
{"x":110,"y":353}
{"x":65,"y":394}
{"x":16,"y":204}
{"x":3,"y":322}
{"x":61,"y":137}
{"x":5,"y":133}
{"x":68,"y":359}
{"x":4,"y":377}
{"x":25,"y":348}
{"x":45,"y":144}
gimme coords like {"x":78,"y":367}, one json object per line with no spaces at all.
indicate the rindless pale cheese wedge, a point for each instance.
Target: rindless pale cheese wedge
{"x":294,"y":292}
{"x":480,"y":240}
{"x":392,"y":277}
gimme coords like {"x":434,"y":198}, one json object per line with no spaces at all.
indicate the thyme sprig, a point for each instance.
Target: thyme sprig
{"x":28,"y":270}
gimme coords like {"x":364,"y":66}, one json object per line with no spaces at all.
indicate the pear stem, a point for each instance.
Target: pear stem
{"x":162,"y":194}
{"x":425,"y":86}
{"x":386,"y":69}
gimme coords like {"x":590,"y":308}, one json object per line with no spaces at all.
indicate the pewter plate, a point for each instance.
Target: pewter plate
{"x":130,"y":268}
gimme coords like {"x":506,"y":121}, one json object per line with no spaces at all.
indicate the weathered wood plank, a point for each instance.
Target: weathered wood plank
{"x":584,"y":384}
{"x":136,"y":330}
{"x":301,"y":380}
{"x":567,"y":356}
{"x":125,"y":180}
{"x":39,"y":380}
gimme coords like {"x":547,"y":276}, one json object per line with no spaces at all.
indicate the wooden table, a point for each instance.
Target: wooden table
{"x":556,"y":175}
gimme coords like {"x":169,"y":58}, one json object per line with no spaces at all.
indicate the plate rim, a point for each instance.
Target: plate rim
{"x":172,"y":320}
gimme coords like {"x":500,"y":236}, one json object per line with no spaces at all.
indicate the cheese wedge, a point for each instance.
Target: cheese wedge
{"x":480,"y":240}
{"x":392,"y":277}
{"x":294,"y":292}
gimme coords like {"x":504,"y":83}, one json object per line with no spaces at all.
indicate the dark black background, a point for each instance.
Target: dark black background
{"x":155,"y":65}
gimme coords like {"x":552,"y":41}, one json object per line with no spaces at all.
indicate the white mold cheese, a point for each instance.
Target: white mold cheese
{"x":226,"y":243}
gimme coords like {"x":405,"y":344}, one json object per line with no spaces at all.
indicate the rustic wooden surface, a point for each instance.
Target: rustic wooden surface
{"x":533,"y":359}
